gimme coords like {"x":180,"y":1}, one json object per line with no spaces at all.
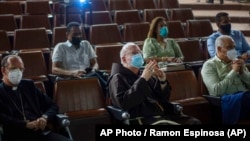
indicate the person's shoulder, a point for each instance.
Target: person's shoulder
{"x":1,"y":84}
{"x":170,"y":40}
{"x":149,"y":39}
{"x":214,"y":35}
{"x":210,"y":61}
{"x":27,"y":82}
{"x":61,"y":45}
{"x":85,"y":42}
{"x":236,"y":32}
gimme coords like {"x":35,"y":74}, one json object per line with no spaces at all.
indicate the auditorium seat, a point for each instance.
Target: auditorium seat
{"x":193,"y":31}
{"x":38,"y":7}
{"x":119,"y":5}
{"x":194,"y":56}
{"x":59,"y":19}
{"x":40,"y":85}
{"x":59,"y":35}
{"x":105,"y":34}
{"x":59,"y":8}
{"x":5,"y":45}
{"x":185,"y":91}
{"x":194,"y":28}
{"x":35,"y":21}
{"x":144,"y":4}
{"x":182,"y":14}
{"x":97,"y":17}
{"x":99,"y":5}
{"x":150,"y":14}
{"x":106,"y":55}
{"x":83,"y":101}
{"x":66,"y":13}
{"x":127,"y":16}
{"x":136,"y":32}
{"x":176,"y":30}
{"x":192,"y":50}
{"x":35,"y":66}
{"x":31,"y":39}
{"x":168,"y":4}
{"x":11,"y":7}
{"x":8,"y":22}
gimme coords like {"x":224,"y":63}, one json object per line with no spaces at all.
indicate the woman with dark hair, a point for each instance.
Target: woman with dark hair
{"x":158,"y":47}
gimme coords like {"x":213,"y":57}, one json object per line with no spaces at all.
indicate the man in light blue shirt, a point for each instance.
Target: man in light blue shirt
{"x":224,"y":28}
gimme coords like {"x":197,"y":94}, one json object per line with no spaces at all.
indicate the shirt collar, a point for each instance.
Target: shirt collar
{"x":219,"y":60}
{"x":69,"y":44}
{"x":231,"y":33}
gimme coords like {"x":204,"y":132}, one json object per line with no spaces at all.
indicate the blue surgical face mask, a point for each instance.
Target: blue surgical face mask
{"x":164,"y":32}
{"x":137,"y":60}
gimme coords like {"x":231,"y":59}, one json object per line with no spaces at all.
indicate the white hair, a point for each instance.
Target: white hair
{"x":125,"y":49}
{"x":220,"y":41}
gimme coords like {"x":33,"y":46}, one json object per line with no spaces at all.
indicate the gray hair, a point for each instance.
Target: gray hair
{"x":125,"y":49}
{"x":4,"y":62}
{"x":220,"y":40}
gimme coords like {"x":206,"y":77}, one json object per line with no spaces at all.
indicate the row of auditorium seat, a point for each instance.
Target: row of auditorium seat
{"x":86,"y":107}
{"x":192,"y":49}
{"x":96,"y":34}
{"x":84,"y":102}
{"x":96,"y":17}
{"x":109,"y":53}
{"x":49,"y":7}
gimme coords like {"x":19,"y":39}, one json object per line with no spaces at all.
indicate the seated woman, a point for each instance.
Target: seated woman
{"x":158,"y":47}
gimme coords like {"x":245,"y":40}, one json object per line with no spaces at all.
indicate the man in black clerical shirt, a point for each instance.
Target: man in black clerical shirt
{"x":25,"y":110}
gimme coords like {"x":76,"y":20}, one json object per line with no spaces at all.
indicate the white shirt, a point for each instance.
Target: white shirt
{"x":72,"y":58}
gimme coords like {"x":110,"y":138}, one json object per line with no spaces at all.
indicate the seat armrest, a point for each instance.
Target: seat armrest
{"x":177,"y":108}
{"x":62,"y":120}
{"x":214,"y":100}
{"x":118,"y":113}
{"x":52,"y":78}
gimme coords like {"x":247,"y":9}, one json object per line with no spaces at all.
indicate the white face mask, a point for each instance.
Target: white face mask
{"x":232,"y":54}
{"x":15,"y":76}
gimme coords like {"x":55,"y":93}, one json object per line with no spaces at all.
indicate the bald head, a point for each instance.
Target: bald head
{"x":9,"y":59}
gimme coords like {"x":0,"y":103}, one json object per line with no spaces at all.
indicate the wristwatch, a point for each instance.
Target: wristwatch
{"x":45,"y":116}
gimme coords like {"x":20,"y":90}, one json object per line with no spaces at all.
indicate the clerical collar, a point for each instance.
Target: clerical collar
{"x":14,"y":88}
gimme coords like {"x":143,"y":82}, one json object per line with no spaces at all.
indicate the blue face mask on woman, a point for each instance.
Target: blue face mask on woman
{"x":137,"y":60}
{"x":164,"y":31}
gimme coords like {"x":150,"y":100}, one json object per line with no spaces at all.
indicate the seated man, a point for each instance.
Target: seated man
{"x":25,"y":111}
{"x":145,"y":96}
{"x":225,"y":74}
{"x":224,"y":28}
{"x":75,"y":58}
